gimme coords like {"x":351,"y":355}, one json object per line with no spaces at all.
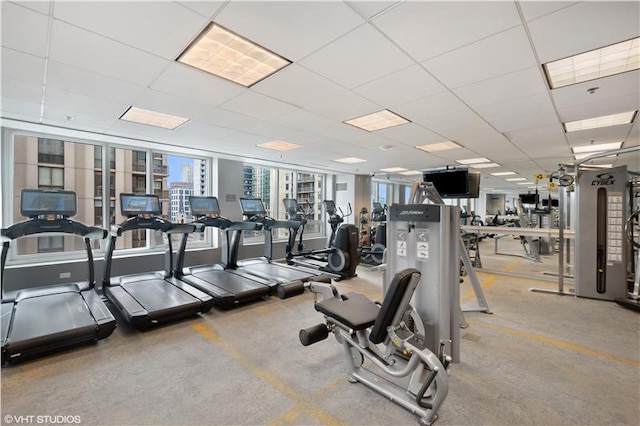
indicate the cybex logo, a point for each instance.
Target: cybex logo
{"x":408,"y":212}
{"x":603,"y":179}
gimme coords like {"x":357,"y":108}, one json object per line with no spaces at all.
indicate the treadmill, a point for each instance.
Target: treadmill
{"x":226,"y":287}
{"x":47,"y":318}
{"x":254,"y":212}
{"x":150,"y":298}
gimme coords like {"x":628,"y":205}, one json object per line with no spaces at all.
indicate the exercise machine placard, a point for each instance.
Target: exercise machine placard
{"x":422,"y":244}
{"x":401,"y":243}
{"x":615,"y":225}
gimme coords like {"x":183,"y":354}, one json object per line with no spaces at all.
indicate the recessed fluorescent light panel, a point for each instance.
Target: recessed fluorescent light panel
{"x":484,"y":165}
{"x":588,"y":154}
{"x":225,"y":54}
{"x":394,"y":169}
{"x":526,"y":183}
{"x":598,"y":63}
{"x":597,"y":147}
{"x":411,"y":173}
{"x":377,"y":121}
{"x":349,"y":160}
{"x":474,"y":161}
{"x":280,"y":145}
{"x":503,"y":174}
{"x":515,"y":179}
{"x":441,"y":146}
{"x":604,"y":121}
{"x":152,"y":118}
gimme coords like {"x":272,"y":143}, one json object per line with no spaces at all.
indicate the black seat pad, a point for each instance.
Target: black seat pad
{"x":354,"y":310}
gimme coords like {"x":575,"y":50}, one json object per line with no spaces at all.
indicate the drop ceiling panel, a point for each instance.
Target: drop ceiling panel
{"x":524,"y":113}
{"x":160,"y":27}
{"x":491,"y":57}
{"x":258,"y":106}
{"x":605,"y":134}
{"x":584,"y":26}
{"x":76,"y":47}
{"x":401,"y":87}
{"x":613,"y":87}
{"x":371,"y":8}
{"x":518,"y":84}
{"x":88,"y":83}
{"x":297,"y":85}
{"x":343,"y":106}
{"x":425,"y":109}
{"x":168,"y":104}
{"x":24,"y":29}
{"x":38,"y":6}
{"x":74,"y":103}
{"x":82,"y":119}
{"x":20,"y":110}
{"x":535,"y":9}
{"x":21,"y":90}
{"x":597,"y":109}
{"x":410,"y":134}
{"x":205,"y":8}
{"x":290,"y":29}
{"x":428,"y":29}
{"x":314,"y":123}
{"x":143,"y":132}
{"x":358,"y":57}
{"x":194,"y":131}
{"x":21,"y":66}
{"x":192,"y":84}
{"x":553,"y":133}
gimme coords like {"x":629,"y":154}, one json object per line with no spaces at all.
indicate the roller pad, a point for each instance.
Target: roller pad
{"x":313,"y":334}
{"x":290,"y":289}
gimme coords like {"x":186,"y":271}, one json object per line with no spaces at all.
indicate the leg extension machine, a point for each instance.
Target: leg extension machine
{"x":378,"y":334}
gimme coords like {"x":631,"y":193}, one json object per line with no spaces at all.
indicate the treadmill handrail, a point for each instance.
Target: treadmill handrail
{"x":41,"y":226}
{"x":222,"y":223}
{"x":37,"y":226}
{"x":140,"y":222}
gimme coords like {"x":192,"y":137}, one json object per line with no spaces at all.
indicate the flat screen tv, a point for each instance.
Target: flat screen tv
{"x":204,"y":206}
{"x":39,"y":202}
{"x":449,"y":183}
{"x":554,"y":202}
{"x":252,"y":206}
{"x":529,"y":198}
{"x":136,"y":204}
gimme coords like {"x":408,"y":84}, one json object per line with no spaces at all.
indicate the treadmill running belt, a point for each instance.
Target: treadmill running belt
{"x":40,"y":320}
{"x":158,"y":295}
{"x":232,"y":283}
{"x":280,"y":273}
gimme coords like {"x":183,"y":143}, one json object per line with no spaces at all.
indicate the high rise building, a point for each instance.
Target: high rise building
{"x":179,"y":207}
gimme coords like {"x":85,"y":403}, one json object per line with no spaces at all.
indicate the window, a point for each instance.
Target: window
{"x":50,"y":151}
{"x":382,"y":192}
{"x":50,"y":178}
{"x":273,"y":185}
{"x":53,"y":164}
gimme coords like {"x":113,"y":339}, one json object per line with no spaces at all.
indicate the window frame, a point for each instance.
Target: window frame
{"x":109,"y":145}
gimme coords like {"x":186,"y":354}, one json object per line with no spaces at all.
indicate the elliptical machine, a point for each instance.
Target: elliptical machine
{"x":341,"y":257}
{"x":335,"y":218}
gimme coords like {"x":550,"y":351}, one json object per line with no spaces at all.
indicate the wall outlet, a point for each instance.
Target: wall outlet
{"x":65,"y":274}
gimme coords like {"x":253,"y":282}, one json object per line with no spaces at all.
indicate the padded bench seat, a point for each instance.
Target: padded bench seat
{"x":354,"y":310}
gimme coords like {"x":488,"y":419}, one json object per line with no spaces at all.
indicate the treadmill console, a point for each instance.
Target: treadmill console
{"x":48,"y":203}
{"x":147,"y":205}
{"x":204,"y":206}
{"x":252,"y":207}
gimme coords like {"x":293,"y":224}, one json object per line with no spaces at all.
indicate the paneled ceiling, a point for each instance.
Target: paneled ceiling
{"x":469,"y":72}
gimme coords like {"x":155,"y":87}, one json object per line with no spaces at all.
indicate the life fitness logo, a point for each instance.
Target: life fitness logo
{"x":603,"y":179}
